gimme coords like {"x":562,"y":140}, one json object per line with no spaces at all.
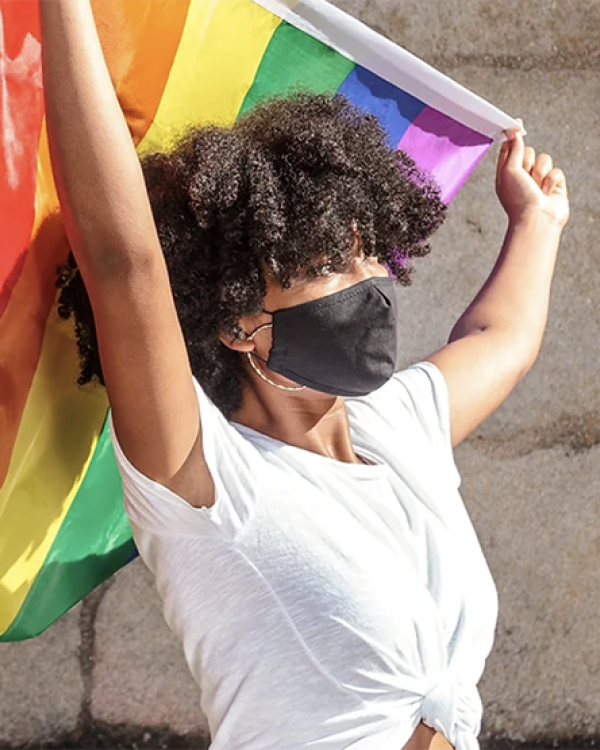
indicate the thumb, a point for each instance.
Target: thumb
{"x":516,"y":152}
{"x":503,"y":155}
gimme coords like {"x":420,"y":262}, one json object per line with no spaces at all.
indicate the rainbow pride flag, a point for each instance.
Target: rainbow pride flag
{"x":174,"y":63}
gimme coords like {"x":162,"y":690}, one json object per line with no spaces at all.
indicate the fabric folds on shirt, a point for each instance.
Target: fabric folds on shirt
{"x":326,"y":605}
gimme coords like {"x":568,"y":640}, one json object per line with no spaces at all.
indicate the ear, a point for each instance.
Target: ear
{"x":242,"y":339}
{"x":240,"y":343}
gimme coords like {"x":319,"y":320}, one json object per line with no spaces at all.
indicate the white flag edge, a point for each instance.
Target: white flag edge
{"x":364,"y":46}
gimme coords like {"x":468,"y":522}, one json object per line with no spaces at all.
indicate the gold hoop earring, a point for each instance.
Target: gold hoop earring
{"x":268,"y":380}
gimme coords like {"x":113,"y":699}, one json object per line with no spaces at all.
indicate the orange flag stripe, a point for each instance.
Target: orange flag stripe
{"x":140,"y":56}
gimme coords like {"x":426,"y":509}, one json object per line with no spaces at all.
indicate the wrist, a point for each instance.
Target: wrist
{"x":535,"y":218}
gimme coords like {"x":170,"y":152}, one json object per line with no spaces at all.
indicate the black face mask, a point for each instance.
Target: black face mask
{"x":343,"y":344}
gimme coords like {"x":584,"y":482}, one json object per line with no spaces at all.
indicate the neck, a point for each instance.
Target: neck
{"x":314,"y":422}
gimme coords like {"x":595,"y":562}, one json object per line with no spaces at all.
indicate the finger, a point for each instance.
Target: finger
{"x":554,"y":181}
{"x":516,"y":151}
{"x":528,"y":158}
{"x":503,"y":155}
{"x":510,"y":133}
{"x":543,"y":166}
{"x":521,"y":127}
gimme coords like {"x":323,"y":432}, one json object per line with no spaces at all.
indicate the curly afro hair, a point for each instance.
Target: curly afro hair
{"x":283,"y":191}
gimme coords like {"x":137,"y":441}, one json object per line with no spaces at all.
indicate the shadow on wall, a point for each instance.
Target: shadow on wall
{"x":99,"y":736}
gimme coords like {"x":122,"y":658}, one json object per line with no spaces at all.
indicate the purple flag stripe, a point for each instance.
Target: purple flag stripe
{"x":445,"y":148}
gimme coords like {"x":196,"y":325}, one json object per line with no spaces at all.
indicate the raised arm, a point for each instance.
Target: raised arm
{"x":497,"y":339}
{"x":113,"y":237}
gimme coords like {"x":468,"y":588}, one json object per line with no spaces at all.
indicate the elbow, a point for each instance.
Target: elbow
{"x":512,"y":351}
{"x":528,"y":360}
{"x":523,"y":352}
{"x":112,"y":252}
{"x":107,"y":263}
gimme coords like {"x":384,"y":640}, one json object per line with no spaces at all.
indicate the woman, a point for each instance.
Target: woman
{"x":298,"y":502}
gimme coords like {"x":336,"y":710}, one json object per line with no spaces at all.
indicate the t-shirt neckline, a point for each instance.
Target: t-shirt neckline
{"x":372,"y":470}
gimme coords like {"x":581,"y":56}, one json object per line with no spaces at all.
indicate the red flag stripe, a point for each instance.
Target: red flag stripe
{"x":21,"y":113}
{"x":140,"y":61}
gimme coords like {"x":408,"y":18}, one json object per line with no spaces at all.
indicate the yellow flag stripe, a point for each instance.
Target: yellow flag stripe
{"x":44,"y":473}
{"x":215,"y":66}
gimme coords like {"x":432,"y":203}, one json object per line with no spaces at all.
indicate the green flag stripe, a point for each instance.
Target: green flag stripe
{"x":92,"y":543}
{"x":294,"y":61}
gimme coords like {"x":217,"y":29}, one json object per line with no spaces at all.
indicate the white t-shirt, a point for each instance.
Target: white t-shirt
{"x":321,"y":604}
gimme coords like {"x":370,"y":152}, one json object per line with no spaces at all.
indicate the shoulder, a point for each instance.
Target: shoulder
{"x":414,"y":403}
{"x":408,"y":420}
{"x":232,"y":462}
{"x":418,"y":394}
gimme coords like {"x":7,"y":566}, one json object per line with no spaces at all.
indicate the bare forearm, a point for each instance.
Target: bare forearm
{"x":514,"y":300}
{"x":498,"y":337}
{"x":98,"y":176}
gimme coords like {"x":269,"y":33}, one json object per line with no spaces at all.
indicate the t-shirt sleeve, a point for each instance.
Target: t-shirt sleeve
{"x":415,"y":401}
{"x":154,"y":508}
{"x":423,"y":392}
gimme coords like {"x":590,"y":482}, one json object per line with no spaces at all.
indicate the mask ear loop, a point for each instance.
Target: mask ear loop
{"x":259,"y":372}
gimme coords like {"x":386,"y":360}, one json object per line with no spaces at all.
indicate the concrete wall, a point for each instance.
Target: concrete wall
{"x":531,"y":474}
